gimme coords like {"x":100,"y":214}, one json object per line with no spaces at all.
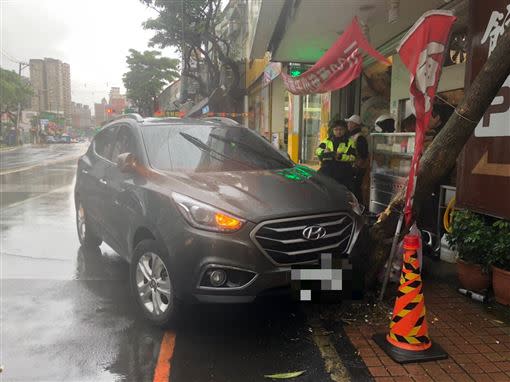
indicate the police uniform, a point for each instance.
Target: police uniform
{"x":338,"y":162}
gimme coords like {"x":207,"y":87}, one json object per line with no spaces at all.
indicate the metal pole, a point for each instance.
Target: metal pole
{"x":392,"y":255}
{"x":18,"y":112}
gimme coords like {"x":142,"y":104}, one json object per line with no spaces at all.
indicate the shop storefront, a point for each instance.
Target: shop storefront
{"x":386,"y":91}
{"x":311,"y":127}
{"x":307,"y":124}
{"x":259,"y":109}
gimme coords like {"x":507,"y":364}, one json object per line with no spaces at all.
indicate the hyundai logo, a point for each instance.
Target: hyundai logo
{"x":314,"y":232}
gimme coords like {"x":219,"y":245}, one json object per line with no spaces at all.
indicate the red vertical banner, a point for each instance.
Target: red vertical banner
{"x":422,"y":52}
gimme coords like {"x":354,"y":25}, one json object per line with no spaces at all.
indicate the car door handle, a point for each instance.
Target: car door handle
{"x":84,"y":171}
{"x":103,"y":181}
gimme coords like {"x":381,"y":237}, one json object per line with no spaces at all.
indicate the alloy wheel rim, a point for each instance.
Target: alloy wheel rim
{"x":82,"y":226}
{"x":153,"y":283}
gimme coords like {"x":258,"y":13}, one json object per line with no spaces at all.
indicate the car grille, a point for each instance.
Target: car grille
{"x":282,"y":240}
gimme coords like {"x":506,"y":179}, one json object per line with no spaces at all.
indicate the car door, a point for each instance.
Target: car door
{"x":93,"y":171}
{"x":122,"y":201}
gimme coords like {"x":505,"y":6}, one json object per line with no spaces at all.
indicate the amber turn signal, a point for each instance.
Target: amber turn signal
{"x":226,"y":222}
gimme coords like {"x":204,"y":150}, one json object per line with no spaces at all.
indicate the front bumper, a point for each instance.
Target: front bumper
{"x":198,"y":251}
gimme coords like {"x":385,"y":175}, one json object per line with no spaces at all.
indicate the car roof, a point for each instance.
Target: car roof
{"x":153,"y":121}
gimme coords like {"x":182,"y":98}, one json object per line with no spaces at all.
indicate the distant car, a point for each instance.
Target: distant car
{"x":50,"y":139}
{"x":64,"y":138}
{"x":207,"y":211}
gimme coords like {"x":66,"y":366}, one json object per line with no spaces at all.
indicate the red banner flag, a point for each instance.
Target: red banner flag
{"x":340,"y":65}
{"x":422,"y":52}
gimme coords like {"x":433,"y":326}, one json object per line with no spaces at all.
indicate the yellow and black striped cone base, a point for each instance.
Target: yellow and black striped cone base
{"x":408,"y":339}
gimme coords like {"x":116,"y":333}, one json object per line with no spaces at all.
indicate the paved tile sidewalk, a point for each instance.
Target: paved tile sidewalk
{"x":477,"y":342}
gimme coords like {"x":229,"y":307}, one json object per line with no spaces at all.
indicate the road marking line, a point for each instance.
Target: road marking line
{"x":332,"y":361}
{"x":68,"y":188}
{"x":166,"y":352}
{"x":44,"y":163}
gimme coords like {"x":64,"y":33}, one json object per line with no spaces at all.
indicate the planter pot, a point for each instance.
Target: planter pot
{"x":501,"y":285}
{"x":471,"y":276}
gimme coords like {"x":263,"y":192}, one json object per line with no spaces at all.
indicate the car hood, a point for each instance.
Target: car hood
{"x":259,"y":195}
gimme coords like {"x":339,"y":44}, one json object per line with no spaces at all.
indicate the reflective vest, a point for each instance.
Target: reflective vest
{"x":342,"y":151}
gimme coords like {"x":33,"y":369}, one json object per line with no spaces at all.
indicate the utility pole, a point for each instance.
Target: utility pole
{"x":22,"y":65}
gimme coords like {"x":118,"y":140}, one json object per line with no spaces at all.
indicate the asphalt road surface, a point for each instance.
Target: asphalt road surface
{"x":67,"y":313}
{"x":27,"y":156}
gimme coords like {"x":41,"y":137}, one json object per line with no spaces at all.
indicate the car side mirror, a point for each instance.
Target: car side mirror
{"x":126,"y":162}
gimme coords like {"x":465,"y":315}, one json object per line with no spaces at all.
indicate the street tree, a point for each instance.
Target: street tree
{"x":440,"y":157}
{"x":13,"y":92}
{"x":147,"y":75}
{"x":191,"y":26}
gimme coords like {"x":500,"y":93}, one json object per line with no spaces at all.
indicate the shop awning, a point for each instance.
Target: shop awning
{"x":313,"y":26}
{"x":267,"y":17}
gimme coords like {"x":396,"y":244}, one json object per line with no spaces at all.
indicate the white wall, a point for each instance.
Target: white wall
{"x":278,"y":105}
{"x":381,"y":31}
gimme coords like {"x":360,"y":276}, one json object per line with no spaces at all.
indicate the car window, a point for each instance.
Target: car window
{"x":103,"y":142}
{"x":207,"y":148}
{"x":124,"y":143}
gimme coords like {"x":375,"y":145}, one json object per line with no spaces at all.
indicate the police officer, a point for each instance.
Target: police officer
{"x":361,"y":165}
{"x":337,"y":154}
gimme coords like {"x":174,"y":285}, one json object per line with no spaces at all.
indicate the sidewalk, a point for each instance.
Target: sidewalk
{"x":476,"y":337}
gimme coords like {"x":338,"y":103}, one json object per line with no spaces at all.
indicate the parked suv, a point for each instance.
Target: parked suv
{"x":207,"y":211}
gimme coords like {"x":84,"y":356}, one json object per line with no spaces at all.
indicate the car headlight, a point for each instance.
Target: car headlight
{"x":204,"y":216}
{"x":355,"y":205}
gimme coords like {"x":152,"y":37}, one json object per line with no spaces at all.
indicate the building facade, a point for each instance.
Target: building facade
{"x":100,"y":112}
{"x":51,"y":81}
{"x":81,"y":116}
{"x":66,"y":87}
{"x":298,"y":33}
{"x":117,"y":101}
{"x":37,"y":80}
{"x":170,"y":98}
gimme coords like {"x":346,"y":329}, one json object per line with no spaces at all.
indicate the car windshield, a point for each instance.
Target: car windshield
{"x":212,"y":148}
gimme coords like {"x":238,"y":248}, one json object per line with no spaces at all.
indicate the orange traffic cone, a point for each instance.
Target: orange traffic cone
{"x":408,"y":339}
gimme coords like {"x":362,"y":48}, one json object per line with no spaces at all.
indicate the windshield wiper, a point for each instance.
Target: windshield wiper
{"x":202,"y":146}
{"x":249,"y":148}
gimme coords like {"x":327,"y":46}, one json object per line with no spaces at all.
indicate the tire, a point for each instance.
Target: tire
{"x":151,"y":284}
{"x":87,"y":237}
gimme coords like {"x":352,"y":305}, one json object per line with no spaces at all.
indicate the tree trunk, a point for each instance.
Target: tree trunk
{"x":440,"y":157}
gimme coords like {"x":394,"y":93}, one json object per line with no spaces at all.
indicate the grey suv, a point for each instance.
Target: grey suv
{"x":207,"y":211}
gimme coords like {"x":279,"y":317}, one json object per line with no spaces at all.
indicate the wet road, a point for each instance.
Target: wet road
{"x":29,"y":156}
{"x":67,"y":313}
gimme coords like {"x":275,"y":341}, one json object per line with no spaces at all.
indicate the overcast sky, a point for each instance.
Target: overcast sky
{"x":93,"y":36}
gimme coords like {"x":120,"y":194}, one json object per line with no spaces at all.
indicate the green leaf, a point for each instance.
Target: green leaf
{"x":293,"y":374}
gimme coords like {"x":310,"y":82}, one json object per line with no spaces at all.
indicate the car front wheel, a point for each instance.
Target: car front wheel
{"x":152,"y":285}
{"x":85,"y":234}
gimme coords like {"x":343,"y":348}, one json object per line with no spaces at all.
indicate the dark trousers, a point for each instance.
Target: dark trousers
{"x":359,"y":174}
{"x":342,"y":172}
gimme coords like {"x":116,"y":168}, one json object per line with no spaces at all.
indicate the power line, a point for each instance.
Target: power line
{"x":11,"y":58}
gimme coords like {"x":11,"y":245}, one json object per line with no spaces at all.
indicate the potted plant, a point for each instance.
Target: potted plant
{"x":500,"y":261}
{"x":471,"y":237}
